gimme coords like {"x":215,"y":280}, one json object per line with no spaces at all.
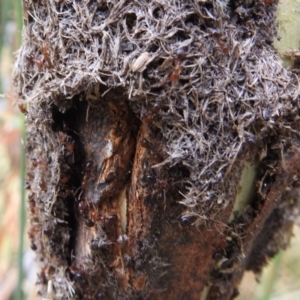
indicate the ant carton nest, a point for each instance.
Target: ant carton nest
{"x":197,"y":81}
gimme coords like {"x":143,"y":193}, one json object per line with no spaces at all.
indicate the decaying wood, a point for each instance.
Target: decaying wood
{"x":141,"y":119}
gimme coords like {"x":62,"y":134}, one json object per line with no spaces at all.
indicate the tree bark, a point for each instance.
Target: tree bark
{"x":138,"y":194}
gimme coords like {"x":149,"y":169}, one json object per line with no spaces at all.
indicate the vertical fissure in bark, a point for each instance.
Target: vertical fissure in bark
{"x":99,"y":144}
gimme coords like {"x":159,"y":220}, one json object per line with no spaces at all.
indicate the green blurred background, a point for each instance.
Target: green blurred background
{"x":280,"y":280}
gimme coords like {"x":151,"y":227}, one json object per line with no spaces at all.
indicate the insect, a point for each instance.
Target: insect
{"x":68,"y":144}
{"x":181,"y":54}
{"x":83,"y":207}
{"x":33,"y":246}
{"x":65,"y":178}
{"x":39,"y":162}
{"x":89,"y":222}
{"x":23,"y":109}
{"x":32,"y":59}
{"x":45,"y":51}
{"x":151,"y":113}
{"x":105,"y":219}
{"x":86,"y":176}
{"x":79,"y":274}
{"x":84,"y":181}
{"x":43,"y":185}
{"x":163,"y":183}
{"x":222,"y":45}
{"x":84,"y":210}
{"x":41,"y":62}
{"x":43,"y":274}
{"x":88,"y":165}
{"x":31,"y":233}
{"x":145,"y":144}
{"x":32,"y":204}
{"x":47,"y":231}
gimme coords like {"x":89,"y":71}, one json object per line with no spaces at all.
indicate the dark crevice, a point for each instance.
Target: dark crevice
{"x":71,"y":160}
{"x":98,"y":147}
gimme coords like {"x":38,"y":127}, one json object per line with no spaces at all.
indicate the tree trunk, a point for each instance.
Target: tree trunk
{"x":162,"y":147}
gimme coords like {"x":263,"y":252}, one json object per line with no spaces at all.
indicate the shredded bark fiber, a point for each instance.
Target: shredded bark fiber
{"x":181,"y":90}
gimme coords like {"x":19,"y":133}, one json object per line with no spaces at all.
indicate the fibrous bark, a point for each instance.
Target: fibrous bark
{"x":142,"y":119}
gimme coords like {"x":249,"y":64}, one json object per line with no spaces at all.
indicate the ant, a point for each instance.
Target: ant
{"x":84,"y":208}
{"x":86,"y":176}
{"x":41,"y":163}
{"x":31,"y":59}
{"x":94,"y":297}
{"x":68,"y":144}
{"x":154,"y":152}
{"x":84,"y":182}
{"x":47,"y":231}
{"x":43,"y":275}
{"x":70,"y":155}
{"x":31,"y":233}
{"x":111,"y":218}
{"x":32,"y":204}
{"x":110,"y":225}
{"x":38,"y":229}
{"x":181,"y":54}
{"x":89,"y":222}
{"x":23,"y":109}
{"x":145,"y":144}
{"x":45,"y":51}
{"x":79,"y":274}
{"x":221,"y":44}
{"x":67,"y":192}
{"x":33,"y":246}
{"x":43,"y":185}
{"x":46,"y":54}
{"x":151,"y":113}
{"x":67,"y":128}
{"x":103,"y":218}
{"x":163,"y":183}
{"x":65,"y":178}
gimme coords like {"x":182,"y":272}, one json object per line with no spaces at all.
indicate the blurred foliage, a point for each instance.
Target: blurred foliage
{"x":288,"y":18}
{"x":12,"y":219}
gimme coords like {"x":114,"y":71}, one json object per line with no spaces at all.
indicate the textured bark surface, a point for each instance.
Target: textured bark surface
{"x":132,"y":243}
{"x":142,"y":117}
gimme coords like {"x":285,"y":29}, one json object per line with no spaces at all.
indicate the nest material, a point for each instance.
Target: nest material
{"x":232,"y":85}
{"x":232,"y":88}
